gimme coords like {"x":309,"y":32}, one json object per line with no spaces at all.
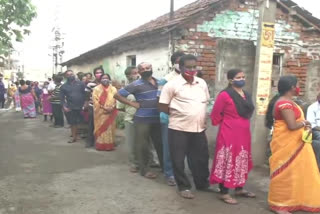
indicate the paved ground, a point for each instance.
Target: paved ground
{"x":41,"y":174}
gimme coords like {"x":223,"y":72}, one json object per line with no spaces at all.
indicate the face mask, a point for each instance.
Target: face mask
{"x":71,"y":78}
{"x":133,"y":78}
{"x":105,"y":82}
{"x":98,"y":75}
{"x":298,"y":90}
{"x":239,"y":83}
{"x":146,"y":74}
{"x":177,"y":68}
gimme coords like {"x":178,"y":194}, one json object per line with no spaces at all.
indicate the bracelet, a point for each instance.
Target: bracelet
{"x":303,"y":123}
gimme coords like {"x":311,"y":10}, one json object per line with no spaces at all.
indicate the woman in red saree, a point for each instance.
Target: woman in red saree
{"x":105,"y":114}
{"x":295,"y":177}
{"x":232,"y":163}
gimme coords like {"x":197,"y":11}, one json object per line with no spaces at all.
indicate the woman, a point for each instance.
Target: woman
{"x":105,"y":114}
{"x":295,"y":178}
{"x":46,"y":104}
{"x":17,"y":102}
{"x":232,"y":164}
{"x":27,"y":99}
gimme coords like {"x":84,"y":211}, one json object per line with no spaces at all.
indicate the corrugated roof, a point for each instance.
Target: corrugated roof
{"x":164,"y":23}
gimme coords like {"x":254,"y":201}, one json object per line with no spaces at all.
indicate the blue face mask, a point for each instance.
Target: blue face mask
{"x":71,"y":78}
{"x":239,"y":83}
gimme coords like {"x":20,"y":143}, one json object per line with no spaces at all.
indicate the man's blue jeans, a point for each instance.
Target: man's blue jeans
{"x":167,"y":165}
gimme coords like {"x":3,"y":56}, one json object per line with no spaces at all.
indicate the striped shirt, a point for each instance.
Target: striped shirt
{"x":55,"y":97}
{"x":89,"y":89}
{"x":146,"y":95}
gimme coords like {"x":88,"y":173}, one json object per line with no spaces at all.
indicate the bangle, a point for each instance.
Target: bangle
{"x":303,"y":123}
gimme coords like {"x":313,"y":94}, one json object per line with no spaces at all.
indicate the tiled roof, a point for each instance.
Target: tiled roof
{"x":164,"y":22}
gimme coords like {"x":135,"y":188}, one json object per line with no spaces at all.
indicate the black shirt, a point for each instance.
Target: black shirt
{"x":72,"y":95}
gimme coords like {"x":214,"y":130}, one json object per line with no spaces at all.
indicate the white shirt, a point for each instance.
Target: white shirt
{"x":187,"y":103}
{"x":51,"y":86}
{"x":313,"y":114}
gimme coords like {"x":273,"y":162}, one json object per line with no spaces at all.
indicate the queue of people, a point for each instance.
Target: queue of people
{"x":169,"y":115}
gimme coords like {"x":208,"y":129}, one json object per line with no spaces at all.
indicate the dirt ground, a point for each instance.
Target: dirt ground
{"x":41,"y":174}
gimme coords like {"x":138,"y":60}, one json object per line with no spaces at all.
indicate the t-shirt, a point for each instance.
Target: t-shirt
{"x":146,"y":94}
{"x":72,"y":95}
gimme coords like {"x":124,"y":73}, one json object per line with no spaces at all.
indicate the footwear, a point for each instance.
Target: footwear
{"x":171,"y":181}
{"x":228,"y":199}
{"x":72,"y":141}
{"x":210,"y":189}
{"x":134,"y":169}
{"x":150,"y":175}
{"x":245,"y":194}
{"x":155,"y":165}
{"x":187,"y":194}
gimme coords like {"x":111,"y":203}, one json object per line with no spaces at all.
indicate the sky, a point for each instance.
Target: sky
{"x":87,"y":24}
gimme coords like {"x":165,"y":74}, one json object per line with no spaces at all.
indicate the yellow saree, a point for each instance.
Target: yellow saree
{"x":295,"y":177}
{"x":104,"y":123}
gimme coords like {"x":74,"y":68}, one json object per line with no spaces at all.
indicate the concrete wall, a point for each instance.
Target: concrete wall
{"x":232,"y":54}
{"x":115,"y":64}
{"x":313,"y":82}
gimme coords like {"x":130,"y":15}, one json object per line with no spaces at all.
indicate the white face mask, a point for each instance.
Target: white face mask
{"x":177,"y":67}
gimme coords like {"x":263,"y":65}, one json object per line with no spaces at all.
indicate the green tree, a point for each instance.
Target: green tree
{"x":15,"y":18}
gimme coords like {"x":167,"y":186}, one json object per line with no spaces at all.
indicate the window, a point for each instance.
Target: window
{"x":131,"y":60}
{"x":276,"y":59}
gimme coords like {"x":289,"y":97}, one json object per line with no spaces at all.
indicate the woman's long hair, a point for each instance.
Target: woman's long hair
{"x":285,"y":84}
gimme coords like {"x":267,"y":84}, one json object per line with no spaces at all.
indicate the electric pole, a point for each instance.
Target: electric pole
{"x":262,"y":77}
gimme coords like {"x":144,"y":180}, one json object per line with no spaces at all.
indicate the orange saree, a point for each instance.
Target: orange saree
{"x":104,"y":123}
{"x":295,"y":177}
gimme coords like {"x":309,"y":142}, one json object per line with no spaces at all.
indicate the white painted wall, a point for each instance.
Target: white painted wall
{"x":115,"y":65}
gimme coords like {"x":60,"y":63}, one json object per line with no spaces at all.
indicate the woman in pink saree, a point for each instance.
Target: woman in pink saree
{"x":232,"y":163}
{"x":27,"y":98}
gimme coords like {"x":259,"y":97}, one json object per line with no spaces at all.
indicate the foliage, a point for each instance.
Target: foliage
{"x":20,"y":75}
{"x":120,"y":120}
{"x":15,"y":17}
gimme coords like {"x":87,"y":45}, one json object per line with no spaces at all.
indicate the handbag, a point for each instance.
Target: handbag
{"x":307,"y":136}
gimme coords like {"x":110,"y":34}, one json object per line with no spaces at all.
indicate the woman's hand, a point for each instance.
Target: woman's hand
{"x":107,"y":110}
{"x":135,"y":105}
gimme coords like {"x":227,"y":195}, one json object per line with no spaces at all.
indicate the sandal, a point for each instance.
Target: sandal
{"x":187,"y":194}
{"x":171,"y":181}
{"x":72,"y":141}
{"x":245,"y":194}
{"x":150,"y":175}
{"x":134,"y":169}
{"x":282,"y":212}
{"x":228,"y":200}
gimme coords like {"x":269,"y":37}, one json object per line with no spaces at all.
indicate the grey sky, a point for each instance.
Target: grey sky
{"x":88,"y":24}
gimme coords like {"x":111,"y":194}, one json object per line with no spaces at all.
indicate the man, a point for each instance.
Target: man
{"x":168,"y":171}
{"x":89,"y":105}
{"x":146,"y":119}
{"x":313,"y":116}
{"x":132,"y":75}
{"x":56,"y":103}
{"x":185,"y":99}
{"x":38,"y":93}
{"x":89,"y":77}
{"x":2,"y":93}
{"x":72,"y":97}
{"x":11,"y":91}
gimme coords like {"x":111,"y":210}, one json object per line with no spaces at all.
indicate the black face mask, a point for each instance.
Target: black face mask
{"x":71,"y":78}
{"x":146,"y":74}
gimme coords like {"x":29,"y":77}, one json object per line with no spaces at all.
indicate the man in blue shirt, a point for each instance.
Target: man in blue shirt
{"x":146,"y":119}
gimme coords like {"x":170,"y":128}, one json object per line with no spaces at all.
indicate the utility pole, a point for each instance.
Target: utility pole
{"x":171,"y":9}
{"x":171,"y":33}
{"x":262,"y":77}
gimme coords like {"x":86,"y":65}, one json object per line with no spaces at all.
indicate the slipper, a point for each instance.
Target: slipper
{"x":245,"y":194}
{"x":187,"y":194}
{"x":72,"y":141}
{"x":171,"y":181}
{"x":228,"y":200}
{"x":150,"y":175}
{"x":134,"y":169}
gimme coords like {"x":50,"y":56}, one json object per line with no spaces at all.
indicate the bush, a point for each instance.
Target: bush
{"x":120,"y":120}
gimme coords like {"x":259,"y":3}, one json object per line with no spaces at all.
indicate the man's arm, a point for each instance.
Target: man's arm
{"x":163,"y":108}
{"x":165,"y":98}
{"x":124,"y":100}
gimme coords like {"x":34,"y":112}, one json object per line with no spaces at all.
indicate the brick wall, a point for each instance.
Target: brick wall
{"x":233,"y":20}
